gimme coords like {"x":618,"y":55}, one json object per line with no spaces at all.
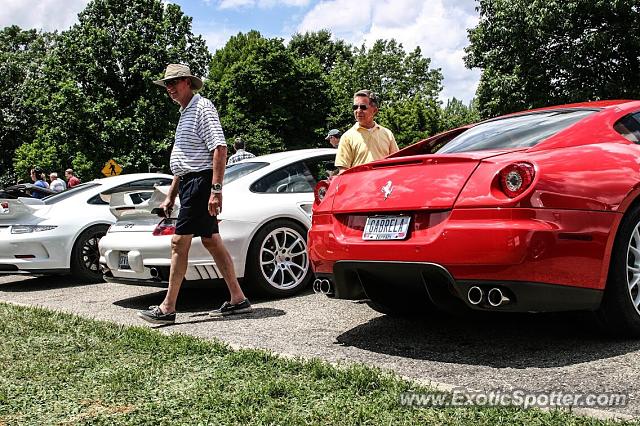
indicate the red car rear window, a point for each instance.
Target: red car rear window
{"x":520,"y":131}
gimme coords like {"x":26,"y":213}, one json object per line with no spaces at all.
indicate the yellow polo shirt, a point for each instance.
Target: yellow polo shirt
{"x":359,"y":145}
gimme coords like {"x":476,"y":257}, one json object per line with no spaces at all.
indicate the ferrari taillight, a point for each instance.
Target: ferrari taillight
{"x":165,"y":227}
{"x":320,"y":191}
{"x":516,"y":178}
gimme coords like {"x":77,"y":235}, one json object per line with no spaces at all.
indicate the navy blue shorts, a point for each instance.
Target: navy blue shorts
{"x":194,"y":218}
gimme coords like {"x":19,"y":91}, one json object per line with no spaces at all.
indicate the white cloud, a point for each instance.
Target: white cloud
{"x":263,"y":4}
{"x":216,"y":37}
{"x":46,"y":15}
{"x":234,"y":4}
{"x":348,"y":20}
{"x":438,"y":27}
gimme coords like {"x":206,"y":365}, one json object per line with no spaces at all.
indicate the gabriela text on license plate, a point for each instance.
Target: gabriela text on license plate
{"x":386,"y":228}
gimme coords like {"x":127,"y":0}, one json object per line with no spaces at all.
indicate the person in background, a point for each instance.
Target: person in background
{"x":38,"y":178}
{"x":366,"y":141}
{"x":240,"y":154}
{"x":197,"y":162}
{"x":333,"y":137}
{"x":72,"y":180}
{"x":56,"y":184}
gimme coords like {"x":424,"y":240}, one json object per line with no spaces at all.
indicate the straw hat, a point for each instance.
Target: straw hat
{"x":179,"y":71}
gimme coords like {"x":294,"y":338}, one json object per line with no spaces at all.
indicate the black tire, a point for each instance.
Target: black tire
{"x":618,"y":313}
{"x":85,"y":257}
{"x":278,"y":262}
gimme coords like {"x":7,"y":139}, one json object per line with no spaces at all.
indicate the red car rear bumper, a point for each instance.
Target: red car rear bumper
{"x":561,"y":247}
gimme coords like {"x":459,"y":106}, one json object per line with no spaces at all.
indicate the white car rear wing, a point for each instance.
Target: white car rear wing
{"x":127,"y":205}
{"x":12,"y":208}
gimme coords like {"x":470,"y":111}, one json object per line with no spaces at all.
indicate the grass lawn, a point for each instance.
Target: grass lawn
{"x":65,"y":370}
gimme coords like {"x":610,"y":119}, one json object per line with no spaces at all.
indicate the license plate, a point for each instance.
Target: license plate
{"x":123,"y":262}
{"x":386,"y":228}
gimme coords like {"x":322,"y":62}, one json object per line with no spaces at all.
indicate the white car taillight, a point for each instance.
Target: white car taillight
{"x":165,"y":227}
{"x":516,"y":178}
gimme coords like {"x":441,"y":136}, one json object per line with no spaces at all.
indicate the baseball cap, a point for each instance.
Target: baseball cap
{"x":333,"y":132}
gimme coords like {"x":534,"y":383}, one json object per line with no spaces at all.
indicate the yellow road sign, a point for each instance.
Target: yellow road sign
{"x":111,"y":168}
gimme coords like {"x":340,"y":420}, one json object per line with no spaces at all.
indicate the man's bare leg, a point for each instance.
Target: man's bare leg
{"x":180,"y":245}
{"x":223,"y":260}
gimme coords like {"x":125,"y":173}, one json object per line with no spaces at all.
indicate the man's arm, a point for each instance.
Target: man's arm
{"x":343,"y":155}
{"x":219,"y":161}
{"x":169,"y":201}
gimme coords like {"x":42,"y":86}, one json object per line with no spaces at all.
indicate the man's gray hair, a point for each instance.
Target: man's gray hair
{"x":53,"y":175}
{"x":371,"y":95}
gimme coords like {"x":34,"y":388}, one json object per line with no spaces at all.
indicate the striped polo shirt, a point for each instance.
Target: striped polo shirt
{"x":198,"y":133}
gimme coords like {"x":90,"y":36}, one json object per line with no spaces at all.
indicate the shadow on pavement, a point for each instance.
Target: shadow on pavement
{"x":202,"y":317}
{"x":497,"y":340}
{"x":41,"y":283}
{"x":197,"y":301}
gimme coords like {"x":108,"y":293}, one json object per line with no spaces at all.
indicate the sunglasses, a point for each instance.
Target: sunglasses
{"x":362,"y":107}
{"x":173,"y":81}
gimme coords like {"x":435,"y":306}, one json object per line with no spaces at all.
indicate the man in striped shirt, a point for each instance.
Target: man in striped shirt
{"x":197,"y":163}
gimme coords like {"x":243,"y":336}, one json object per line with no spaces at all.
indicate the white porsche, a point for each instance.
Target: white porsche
{"x":266,"y":212}
{"x":60,"y":233}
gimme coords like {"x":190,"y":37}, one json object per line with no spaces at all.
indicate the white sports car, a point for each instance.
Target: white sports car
{"x":266,"y":212}
{"x":60,"y":233}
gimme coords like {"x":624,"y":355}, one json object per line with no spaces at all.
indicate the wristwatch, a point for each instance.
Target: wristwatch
{"x":216,"y":188}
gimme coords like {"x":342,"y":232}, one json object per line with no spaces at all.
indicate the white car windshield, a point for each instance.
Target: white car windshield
{"x":520,"y":131}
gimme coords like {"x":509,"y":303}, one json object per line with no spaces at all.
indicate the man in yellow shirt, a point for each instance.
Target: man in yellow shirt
{"x":366,"y":141}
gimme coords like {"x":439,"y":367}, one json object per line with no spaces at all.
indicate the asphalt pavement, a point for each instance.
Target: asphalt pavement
{"x":533,"y":352}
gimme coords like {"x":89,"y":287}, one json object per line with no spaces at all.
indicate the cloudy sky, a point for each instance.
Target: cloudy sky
{"x":437,"y":26}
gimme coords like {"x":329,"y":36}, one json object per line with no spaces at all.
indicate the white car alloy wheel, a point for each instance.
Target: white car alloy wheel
{"x":278,"y":259}
{"x":85,"y":256}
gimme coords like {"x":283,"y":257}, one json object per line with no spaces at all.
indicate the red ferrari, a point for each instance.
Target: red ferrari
{"x":529,"y":212}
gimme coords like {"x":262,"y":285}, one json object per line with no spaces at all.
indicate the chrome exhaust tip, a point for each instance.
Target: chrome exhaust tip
{"x":316,"y":285}
{"x":325,"y":287}
{"x":496,"y":297}
{"x":154,"y":272}
{"x":475,"y":295}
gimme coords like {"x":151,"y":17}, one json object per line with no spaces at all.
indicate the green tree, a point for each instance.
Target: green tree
{"x":271,"y":98}
{"x":320,"y":46}
{"x":403,"y":80}
{"x":22,"y":56}
{"x":536,"y":53}
{"x":411,"y":119}
{"x":456,"y":114}
{"x":99,"y":101}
